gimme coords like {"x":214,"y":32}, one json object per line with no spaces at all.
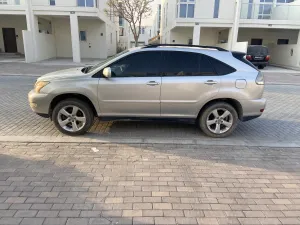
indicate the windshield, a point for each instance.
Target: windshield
{"x":92,"y":68}
{"x":257,"y":50}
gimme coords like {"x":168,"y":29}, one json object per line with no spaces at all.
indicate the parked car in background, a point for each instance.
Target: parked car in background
{"x":213,"y":87}
{"x":258,"y":55}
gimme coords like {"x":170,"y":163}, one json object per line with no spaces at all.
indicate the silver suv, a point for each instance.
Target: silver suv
{"x":209,"y":85}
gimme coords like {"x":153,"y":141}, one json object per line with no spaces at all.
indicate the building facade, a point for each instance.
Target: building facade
{"x":44,"y":29}
{"x":234,"y":24}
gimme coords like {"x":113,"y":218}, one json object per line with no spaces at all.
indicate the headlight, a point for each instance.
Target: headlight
{"x":39,"y":85}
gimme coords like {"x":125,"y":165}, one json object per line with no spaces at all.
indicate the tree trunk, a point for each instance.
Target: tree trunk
{"x":136,"y":43}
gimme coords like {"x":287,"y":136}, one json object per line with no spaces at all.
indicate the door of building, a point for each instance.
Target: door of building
{"x":10,"y":41}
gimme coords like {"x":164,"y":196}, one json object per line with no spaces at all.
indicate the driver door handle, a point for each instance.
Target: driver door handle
{"x":211,"y":82}
{"x":152,"y":83}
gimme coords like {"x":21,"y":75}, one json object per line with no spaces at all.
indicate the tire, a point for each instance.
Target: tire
{"x":209,"y":116}
{"x":261,"y":67}
{"x":65,"y":120}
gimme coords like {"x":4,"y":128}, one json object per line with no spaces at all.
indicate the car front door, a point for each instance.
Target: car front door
{"x":188,"y":82}
{"x":134,"y":87}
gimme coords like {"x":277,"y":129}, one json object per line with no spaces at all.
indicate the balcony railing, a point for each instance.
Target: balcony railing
{"x":270,"y":11}
{"x":68,"y":3}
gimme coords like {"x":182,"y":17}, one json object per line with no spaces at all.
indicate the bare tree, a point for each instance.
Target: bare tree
{"x":133,"y":11}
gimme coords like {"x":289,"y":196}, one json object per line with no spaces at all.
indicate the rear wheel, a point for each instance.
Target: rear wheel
{"x":261,"y":67}
{"x":218,"y":120}
{"x":72,"y":117}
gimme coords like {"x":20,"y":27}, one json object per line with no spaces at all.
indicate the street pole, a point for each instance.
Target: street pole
{"x":236,"y":24}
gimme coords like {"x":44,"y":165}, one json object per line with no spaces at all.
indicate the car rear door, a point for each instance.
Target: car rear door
{"x":134,"y":88}
{"x":188,"y":82}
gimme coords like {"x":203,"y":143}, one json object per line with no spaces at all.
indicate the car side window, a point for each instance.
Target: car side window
{"x":186,"y":64}
{"x":142,"y":64}
{"x":220,"y":67}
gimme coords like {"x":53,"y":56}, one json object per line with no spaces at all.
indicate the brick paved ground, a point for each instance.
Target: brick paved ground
{"x":148,"y":184}
{"x":279,"y":123}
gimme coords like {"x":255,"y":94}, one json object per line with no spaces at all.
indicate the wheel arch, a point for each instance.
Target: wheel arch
{"x":234,"y":103}
{"x":62,"y":97}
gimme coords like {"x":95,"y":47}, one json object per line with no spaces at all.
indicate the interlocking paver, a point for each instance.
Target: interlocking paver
{"x":188,"y":165}
{"x":272,"y":127}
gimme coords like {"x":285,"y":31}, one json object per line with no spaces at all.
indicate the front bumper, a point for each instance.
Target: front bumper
{"x":253,"y":108}
{"x":39,"y":103}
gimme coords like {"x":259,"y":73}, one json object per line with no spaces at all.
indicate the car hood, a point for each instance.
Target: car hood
{"x":62,"y":74}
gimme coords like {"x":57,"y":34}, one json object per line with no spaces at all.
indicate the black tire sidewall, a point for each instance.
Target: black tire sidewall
{"x":208,"y":110}
{"x":80,"y":104}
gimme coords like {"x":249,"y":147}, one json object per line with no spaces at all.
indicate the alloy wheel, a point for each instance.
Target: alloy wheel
{"x":71,"y":118}
{"x":219,"y":121}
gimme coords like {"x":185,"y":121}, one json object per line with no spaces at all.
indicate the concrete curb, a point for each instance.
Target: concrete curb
{"x":102,"y":140}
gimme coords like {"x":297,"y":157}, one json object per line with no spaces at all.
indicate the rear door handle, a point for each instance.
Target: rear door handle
{"x":152,"y":83}
{"x":211,"y":82}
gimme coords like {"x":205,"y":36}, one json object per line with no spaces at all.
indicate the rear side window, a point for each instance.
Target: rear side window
{"x":220,"y":67}
{"x":186,"y":64}
{"x":257,"y":50}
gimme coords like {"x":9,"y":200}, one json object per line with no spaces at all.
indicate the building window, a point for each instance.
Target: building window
{"x":121,"y":21}
{"x":285,"y":1}
{"x":283,"y":41}
{"x":82,"y":35}
{"x":3,"y":2}
{"x":121,"y":30}
{"x":17,"y":2}
{"x":85,"y":3}
{"x":250,"y":9}
{"x":265,"y":9}
{"x":185,"y":8}
{"x":142,"y":31}
{"x":256,"y":41}
{"x":216,"y":9}
{"x":52,"y":2}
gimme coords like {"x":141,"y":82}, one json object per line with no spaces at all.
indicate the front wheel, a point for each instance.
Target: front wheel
{"x":218,"y":120}
{"x":72,"y":117}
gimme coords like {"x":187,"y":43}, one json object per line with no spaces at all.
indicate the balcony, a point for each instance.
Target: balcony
{"x":271,"y":11}
{"x":66,"y":3}
{"x":11,"y":2}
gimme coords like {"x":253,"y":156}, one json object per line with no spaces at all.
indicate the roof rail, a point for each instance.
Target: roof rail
{"x":182,"y":45}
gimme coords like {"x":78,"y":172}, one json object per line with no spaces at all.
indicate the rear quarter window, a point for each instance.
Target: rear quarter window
{"x":220,"y":67}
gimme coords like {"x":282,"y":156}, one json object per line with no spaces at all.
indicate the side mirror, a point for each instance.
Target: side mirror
{"x":107,"y":72}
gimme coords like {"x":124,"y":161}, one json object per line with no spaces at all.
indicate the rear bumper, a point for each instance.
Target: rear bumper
{"x":260,"y":63}
{"x":253,"y":108}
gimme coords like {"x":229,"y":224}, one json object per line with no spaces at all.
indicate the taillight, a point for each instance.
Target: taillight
{"x":267,"y":57}
{"x":248,"y":57}
{"x":260,"y":80}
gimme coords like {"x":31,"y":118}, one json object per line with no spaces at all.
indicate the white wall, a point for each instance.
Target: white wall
{"x":29,"y":51}
{"x":209,"y":36}
{"x":93,"y":28}
{"x":111,"y":40}
{"x":62,"y":33}
{"x":269,"y":36}
{"x":239,"y":46}
{"x":179,"y":35}
{"x":94,"y":47}
{"x":17,"y":22}
{"x":281,"y":55}
{"x":45,"y":46}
